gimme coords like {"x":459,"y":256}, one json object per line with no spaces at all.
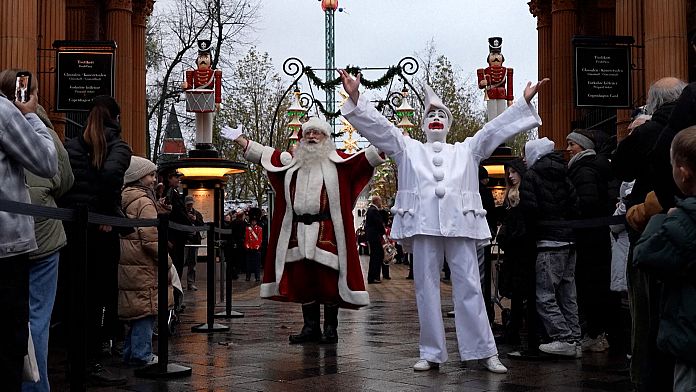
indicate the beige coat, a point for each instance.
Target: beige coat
{"x":137,"y":268}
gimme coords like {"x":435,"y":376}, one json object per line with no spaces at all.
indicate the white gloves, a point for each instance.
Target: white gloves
{"x":230,"y":133}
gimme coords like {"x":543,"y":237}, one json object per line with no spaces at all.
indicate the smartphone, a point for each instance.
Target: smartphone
{"x":23,"y":86}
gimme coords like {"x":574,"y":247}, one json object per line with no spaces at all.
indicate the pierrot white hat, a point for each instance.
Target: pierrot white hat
{"x":432,"y":101}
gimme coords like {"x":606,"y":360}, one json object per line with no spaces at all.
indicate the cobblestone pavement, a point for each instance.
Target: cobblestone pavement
{"x":376,"y":349}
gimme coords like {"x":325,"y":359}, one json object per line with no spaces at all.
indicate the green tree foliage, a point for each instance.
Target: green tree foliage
{"x":255,"y":93}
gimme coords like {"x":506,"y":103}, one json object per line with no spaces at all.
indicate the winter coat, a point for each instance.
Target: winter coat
{"x":138,"y":265}
{"x":50,"y":235}
{"x":683,"y":116}
{"x":99,"y":189}
{"x":374,"y":224}
{"x":590,"y":176}
{"x":666,"y":251}
{"x":630,"y":161}
{"x":546,"y":194}
{"x":517,"y":243}
{"x":24,"y":144}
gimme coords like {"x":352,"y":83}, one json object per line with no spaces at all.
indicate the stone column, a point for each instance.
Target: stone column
{"x":666,"y":50}
{"x":119,"y":15}
{"x":541,"y":9}
{"x":563,"y":27}
{"x":82,"y":20}
{"x":18,"y":32}
{"x":629,"y":21}
{"x":141,"y":10}
{"x":51,"y":27}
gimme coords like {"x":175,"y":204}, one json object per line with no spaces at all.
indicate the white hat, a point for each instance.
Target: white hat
{"x":139,"y":168}
{"x":317,"y":124}
{"x":432,"y":101}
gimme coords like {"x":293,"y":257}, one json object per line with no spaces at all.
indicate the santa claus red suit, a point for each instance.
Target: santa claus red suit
{"x":312,"y":253}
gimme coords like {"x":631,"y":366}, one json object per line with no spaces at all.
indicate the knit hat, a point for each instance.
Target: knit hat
{"x":582,"y":138}
{"x":139,"y":168}
{"x":483,"y":173}
{"x":537,"y":148}
{"x":188,"y":199}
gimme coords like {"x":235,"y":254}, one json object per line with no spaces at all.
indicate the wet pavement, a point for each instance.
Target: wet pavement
{"x":376,"y":349}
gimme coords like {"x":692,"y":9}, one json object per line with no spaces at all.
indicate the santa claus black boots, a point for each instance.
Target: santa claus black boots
{"x":330,"y":335}
{"x":311,"y":331}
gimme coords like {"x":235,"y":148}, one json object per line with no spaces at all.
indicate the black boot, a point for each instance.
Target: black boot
{"x":311,"y":331}
{"x":330,"y":335}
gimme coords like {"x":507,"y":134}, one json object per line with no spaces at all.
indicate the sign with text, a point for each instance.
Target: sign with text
{"x":81,"y":76}
{"x":603,"y":76}
{"x":204,"y":202}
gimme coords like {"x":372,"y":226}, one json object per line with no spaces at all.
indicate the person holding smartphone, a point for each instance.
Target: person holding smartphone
{"x":25,"y":144}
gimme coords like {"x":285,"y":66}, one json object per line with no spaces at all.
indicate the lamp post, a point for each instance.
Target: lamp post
{"x":329,"y":7}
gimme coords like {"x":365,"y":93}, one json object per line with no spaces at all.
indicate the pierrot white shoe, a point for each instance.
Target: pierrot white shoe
{"x":493,"y":364}
{"x":425,"y":365}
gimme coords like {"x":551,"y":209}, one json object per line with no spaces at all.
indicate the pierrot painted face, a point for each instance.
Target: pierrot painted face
{"x":437,"y":121}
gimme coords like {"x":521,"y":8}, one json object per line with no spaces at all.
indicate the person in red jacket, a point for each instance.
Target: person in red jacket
{"x":252,"y":243}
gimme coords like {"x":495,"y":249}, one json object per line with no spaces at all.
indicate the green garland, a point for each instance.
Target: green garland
{"x":322,"y":109}
{"x":369,"y":84}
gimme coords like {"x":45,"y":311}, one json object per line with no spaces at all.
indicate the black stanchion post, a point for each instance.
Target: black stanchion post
{"x":210,"y":325}
{"x":228,"y":313}
{"x":163,"y":369}
{"x":77,"y":349}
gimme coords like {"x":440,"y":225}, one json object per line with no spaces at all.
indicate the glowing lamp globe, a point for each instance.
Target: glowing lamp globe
{"x":329,"y":5}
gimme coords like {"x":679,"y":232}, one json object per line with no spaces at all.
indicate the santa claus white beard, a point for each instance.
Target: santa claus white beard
{"x":310,"y":153}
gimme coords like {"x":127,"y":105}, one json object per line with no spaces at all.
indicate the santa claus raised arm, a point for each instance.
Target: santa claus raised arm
{"x":438,"y":213}
{"x":312,"y":255}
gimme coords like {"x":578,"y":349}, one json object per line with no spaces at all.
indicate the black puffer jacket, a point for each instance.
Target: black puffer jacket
{"x":517,"y":242}
{"x":591,"y":175}
{"x":630,"y":161}
{"x":683,"y":116}
{"x":546,"y":194}
{"x":100,"y":190}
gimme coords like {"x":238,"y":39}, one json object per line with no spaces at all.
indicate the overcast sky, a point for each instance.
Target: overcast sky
{"x":376,"y":33}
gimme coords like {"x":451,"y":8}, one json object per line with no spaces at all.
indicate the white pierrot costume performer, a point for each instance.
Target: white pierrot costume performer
{"x":438,"y":213}
{"x":311,"y":253}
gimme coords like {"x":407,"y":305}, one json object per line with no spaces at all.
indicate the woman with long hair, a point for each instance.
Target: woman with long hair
{"x":99,"y":159}
{"x":520,"y":250}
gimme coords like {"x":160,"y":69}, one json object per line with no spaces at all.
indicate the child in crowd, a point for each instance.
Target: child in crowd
{"x":666,"y":250}
{"x":252,"y":243}
{"x":137,"y":268}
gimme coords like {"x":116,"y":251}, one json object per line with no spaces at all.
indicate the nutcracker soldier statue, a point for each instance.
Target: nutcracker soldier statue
{"x":203,"y":95}
{"x":495,"y":80}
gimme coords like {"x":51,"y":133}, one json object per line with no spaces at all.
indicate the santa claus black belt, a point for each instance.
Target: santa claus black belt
{"x":308,"y":219}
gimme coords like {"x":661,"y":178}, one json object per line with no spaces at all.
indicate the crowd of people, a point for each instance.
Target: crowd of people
{"x":574,"y":276}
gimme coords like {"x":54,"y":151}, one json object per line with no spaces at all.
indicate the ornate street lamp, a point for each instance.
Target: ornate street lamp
{"x":405,"y":112}
{"x":295,"y":112}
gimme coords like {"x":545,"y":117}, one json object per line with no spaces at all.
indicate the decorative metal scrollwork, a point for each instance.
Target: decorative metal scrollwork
{"x":293,"y":67}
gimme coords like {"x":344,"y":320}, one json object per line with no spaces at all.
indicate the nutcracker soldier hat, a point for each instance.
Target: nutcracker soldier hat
{"x":495,"y":44}
{"x":204,"y":46}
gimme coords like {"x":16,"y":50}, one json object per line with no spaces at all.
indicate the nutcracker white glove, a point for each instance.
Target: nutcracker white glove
{"x":230,"y":133}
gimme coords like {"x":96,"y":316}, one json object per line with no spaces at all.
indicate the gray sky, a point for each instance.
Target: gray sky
{"x":377,"y":33}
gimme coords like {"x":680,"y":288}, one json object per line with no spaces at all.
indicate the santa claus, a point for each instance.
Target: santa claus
{"x":312,"y":255}
{"x":438,"y":214}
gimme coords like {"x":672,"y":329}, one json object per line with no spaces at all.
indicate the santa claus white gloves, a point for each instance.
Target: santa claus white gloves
{"x":230,"y":133}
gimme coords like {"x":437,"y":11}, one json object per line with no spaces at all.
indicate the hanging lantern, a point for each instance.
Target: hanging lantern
{"x":405,"y":111}
{"x":295,"y":112}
